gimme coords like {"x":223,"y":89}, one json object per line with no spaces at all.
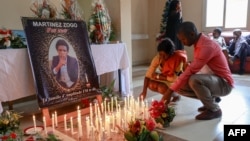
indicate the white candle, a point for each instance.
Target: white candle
{"x":65,"y":122}
{"x":56,"y":121}
{"x":108,"y":107}
{"x":90,"y":112}
{"x":34,"y":122}
{"x":78,"y":111}
{"x":116,"y":102}
{"x":71,"y":125}
{"x":53,"y":122}
{"x":113,"y":121}
{"x":79,"y":128}
{"x":112,"y":104}
{"x":105,"y":106}
{"x":87,"y":126}
{"x":108,"y":126}
{"x":102,"y":107}
{"x":44,"y":125}
{"x":79,"y":115}
{"x":125,"y":104}
{"x":96,"y":123}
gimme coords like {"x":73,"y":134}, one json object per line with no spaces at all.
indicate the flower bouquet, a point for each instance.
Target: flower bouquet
{"x":99,"y":25}
{"x":71,"y":10}
{"x":142,"y":130}
{"x":162,"y":113}
{"x":9,"y":126}
{"x":43,"y":9}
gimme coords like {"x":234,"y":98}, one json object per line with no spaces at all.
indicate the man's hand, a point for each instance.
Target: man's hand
{"x":167,"y":96}
{"x":62,"y":61}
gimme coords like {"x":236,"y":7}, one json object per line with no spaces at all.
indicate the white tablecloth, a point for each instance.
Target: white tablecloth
{"x":16,"y":80}
{"x":110,"y":58}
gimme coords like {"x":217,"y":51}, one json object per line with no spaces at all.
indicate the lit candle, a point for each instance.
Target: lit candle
{"x":56,"y":121}
{"x":87,"y":126}
{"x":34,"y":122}
{"x":44,"y":125}
{"x":125,"y":104}
{"x":116,"y":102}
{"x":79,"y":115}
{"x":90,"y":111}
{"x":65,"y":122}
{"x":105,"y":106}
{"x":96,"y":123}
{"x":102,"y":107}
{"x":71,"y":125}
{"x":95,"y":110}
{"x":108,"y":107}
{"x":53,"y":122}
{"x":79,"y":127}
{"x":108,"y":126}
{"x":113,"y":121}
{"x":112,"y":103}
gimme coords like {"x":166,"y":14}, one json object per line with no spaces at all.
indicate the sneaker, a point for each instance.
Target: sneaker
{"x":201,"y":109}
{"x":208,"y":115}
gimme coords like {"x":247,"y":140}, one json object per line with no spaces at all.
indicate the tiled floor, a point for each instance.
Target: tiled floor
{"x":235,"y":108}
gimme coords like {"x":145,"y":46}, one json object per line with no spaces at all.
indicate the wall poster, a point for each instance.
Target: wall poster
{"x":61,"y":59}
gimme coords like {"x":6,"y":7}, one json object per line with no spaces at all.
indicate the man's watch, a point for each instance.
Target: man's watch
{"x":158,"y":76}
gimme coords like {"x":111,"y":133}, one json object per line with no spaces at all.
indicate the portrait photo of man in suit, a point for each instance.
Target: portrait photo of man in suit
{"x":64,"y":67}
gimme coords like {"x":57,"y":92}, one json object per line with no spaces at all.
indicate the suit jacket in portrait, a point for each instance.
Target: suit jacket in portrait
{"x":72,"y":68}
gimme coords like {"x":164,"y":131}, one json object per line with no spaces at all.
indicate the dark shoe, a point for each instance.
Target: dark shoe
{"x":208,"y":115}
{"x":241,"y":72}
{"x":201,"y":109}
{"x":217,"y":99}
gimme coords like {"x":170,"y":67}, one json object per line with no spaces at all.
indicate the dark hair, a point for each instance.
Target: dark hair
{"x":167,"y":46}
{"x":218,"y":30}
{"x":172,"y":6}
{"x":62,"y":43}
{"x":187,"y":28}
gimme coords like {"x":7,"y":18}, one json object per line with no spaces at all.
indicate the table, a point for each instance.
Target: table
{"x":110,"y":58}
{"x":16,"y":79}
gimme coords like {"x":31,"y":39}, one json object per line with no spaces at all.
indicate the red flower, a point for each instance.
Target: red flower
{"x":150,"y":124}
{"x":85,"y":102}
{"x":157,"y":108}
{"x":13,"y":135}
{"x":135,"y":127}
{"x":4,"y":138}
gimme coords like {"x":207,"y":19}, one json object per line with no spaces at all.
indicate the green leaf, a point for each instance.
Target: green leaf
{"x":154,"y":135}
{"x":129,"y":136}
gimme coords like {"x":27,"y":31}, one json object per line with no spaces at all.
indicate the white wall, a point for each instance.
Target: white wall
{"x":11,"y":12}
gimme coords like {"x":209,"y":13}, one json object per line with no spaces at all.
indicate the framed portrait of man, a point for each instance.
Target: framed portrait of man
{"x":61,"y":59}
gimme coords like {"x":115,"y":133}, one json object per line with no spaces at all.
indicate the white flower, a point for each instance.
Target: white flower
{"x":92,"y":28}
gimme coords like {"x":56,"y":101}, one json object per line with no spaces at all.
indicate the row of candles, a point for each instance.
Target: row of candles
{"x":103,"y":119}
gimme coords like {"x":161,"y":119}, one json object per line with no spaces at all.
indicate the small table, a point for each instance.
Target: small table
{"x":113,"y":58}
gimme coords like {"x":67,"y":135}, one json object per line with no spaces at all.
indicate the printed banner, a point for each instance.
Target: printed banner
{"x":61,"y":59}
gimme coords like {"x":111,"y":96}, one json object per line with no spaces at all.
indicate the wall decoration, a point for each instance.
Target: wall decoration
{"x":12,"y":39}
